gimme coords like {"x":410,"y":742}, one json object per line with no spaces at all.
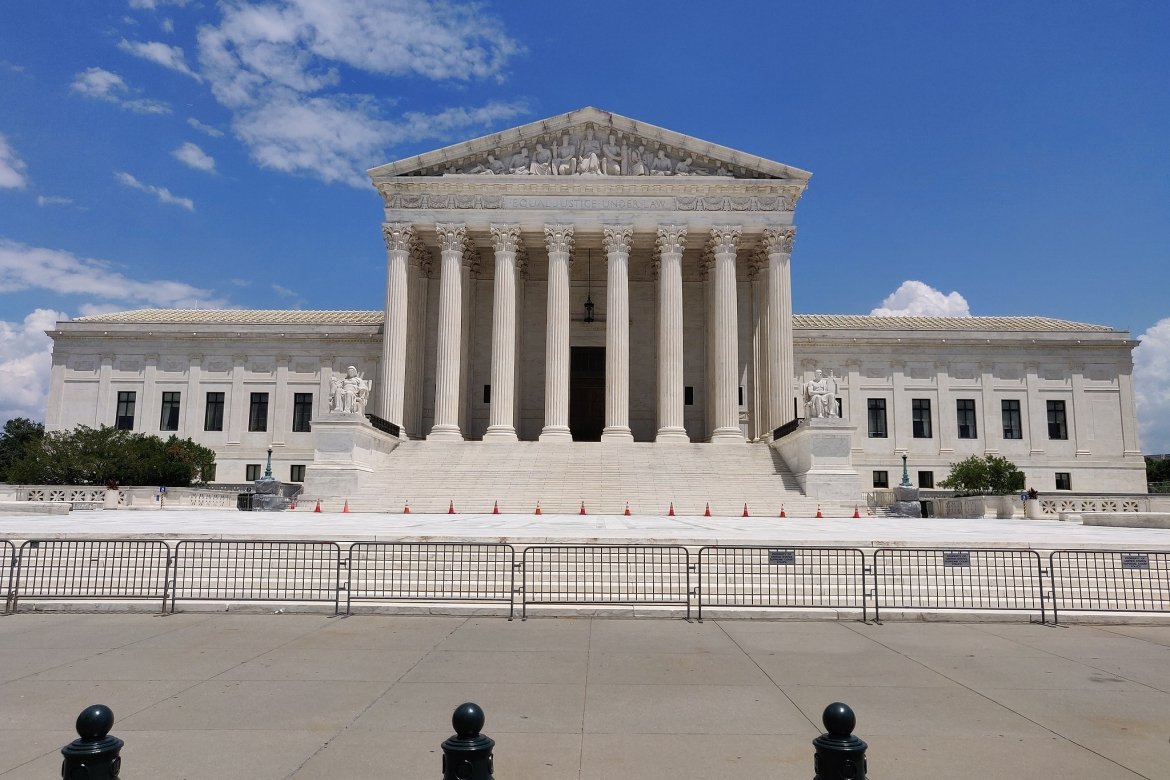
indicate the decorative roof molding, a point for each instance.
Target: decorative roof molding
{"x":661,"y":152}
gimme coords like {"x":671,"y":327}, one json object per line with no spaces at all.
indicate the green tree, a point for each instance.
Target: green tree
{"x":96,"y":456}
{"x":990,"y":475}
{"x":18,"y":433}
{"x":1158,"y":473}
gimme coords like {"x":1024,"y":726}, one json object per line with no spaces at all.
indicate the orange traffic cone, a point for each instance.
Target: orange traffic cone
{"x":627,"y":512}
{"x":537,"y":512}
{"x":745,"y":512}
{"x":495,"y":507}
{"x":406,"y":508}
{"x":451,"y":508}
{"x":582,"y":510}
{"x":855,"y":512}
{"x":782,"y":513}
{"x":318,"y":509}
{"x":671,"y":512}
{"x":819,"y":511}
{"x":707,"y":510}
{"x":345,"y":508}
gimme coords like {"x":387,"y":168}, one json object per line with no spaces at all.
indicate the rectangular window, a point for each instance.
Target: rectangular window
{"x":881,"y":479}
{"x":920,"y":407}
{"x":1057,"y":422}
{"x":688,"y":395}
{"x":926,"y":479}
{"x":1063,"y":480}
{"x":213,"y":414}
{"x":1013,"y":427}
{"x":296,"y":473}
{"x":965,"y":410}
{"x":741,"y":395}
{"x":251,"y":472}
{"x":169,"y":421}
{"x":258,"y":413}
{"x":877,"y":418}
{"x":124,"y":419}
{"x":487,"y":394}
{"x":302,"y":412}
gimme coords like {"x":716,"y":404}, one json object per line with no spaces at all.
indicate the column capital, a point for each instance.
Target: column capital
{"x":398,"y":236}
{"x":558,"y":238}
{"x":618,"y":238}
{"x":505,"y":238}
{"x":725,"y":239}
{"x":672,"y":239}
{"x":452,"y":236}
{"x":778,"y":240}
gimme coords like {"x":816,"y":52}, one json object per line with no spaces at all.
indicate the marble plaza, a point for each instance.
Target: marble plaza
{"x":589,"y":281}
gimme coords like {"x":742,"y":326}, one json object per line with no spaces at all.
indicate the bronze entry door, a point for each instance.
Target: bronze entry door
{"x":587,"y":392}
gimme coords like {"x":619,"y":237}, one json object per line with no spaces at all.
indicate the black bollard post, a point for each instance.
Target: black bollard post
{"x":468,"y":754}
{"x":839,"y":754}
{"x":94,"y":755}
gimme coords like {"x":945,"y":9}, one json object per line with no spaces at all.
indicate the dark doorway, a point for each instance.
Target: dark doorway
{"x":586,"y":392}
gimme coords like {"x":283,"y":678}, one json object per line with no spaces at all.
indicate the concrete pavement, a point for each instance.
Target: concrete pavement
{"x":306,"y":696}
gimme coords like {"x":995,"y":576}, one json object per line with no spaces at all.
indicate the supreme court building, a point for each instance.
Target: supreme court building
{"x":591,"y":278}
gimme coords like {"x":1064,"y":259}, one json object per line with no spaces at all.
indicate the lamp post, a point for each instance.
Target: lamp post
{"x":268,"y":466}
{"x":905,"y":472}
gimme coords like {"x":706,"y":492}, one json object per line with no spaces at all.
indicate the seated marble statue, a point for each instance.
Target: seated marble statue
{"x":492,"y":167}
{"x":611,"y":165}
{"x":541,"y":162}
{"x":589,"y":155}
{"x":520,"y":162}
{"x":349,"y":393}
{"x":820,"y":395}
{"x":636,"y":166}
{"x":662,"y":166}
{"x":565,"y":157}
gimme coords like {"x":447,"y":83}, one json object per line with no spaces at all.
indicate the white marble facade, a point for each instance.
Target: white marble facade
{"x":684,"y":247}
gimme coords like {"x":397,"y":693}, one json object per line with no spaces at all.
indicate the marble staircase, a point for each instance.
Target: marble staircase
{"x":430,"y":475}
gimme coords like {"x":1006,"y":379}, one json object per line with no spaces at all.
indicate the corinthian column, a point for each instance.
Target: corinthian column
{"x":501,"y":422}
{"x":724,"y":241}
{"x":448,"y":362}
{"x":777,"y":243}
{"x":671,"y":241}
{"x":559,"y":239}
{"x":392,"y":381}
{"x":617,"y":333}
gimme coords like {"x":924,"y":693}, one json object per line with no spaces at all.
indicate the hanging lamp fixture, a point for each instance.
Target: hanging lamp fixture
{"x":588,"y":287}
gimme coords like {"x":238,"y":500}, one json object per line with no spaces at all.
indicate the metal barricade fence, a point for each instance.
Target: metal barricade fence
{"x":121,"y":569}
{"x":606,"y":574}
{"x":998,"y":580}
{"x":431,"y":571}
{"x":752,"y":576}
{"x":1109,"y":581}
{"x":7,"y":573}
{"x":276,"y":571}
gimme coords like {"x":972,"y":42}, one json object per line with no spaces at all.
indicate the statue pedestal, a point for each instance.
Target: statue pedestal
{"x":346,"y":449}
{"x":819,"y":456}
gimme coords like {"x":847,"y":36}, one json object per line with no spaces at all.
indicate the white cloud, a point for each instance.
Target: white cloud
{"x":53,"y":200}
{"x":101,"y":84}
{"x":915,"y":299}
{"x":12,"y":168}
{"x":162,"y":193}
{"x":25,"y":361}
{"x":150,"y":5}
{"x":24,"y":267}
{"x":170,"y":57}
{"x":214,"y":132}
{"x":278,"y":67}
{"x":190,"y":154}
{"x":167,"y":25}
{"x":1151,"y":382}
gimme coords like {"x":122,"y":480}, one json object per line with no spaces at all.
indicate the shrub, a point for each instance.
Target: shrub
{"x":990,"y":475}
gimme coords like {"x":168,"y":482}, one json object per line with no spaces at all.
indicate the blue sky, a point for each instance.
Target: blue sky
{"x":1010,"y":157}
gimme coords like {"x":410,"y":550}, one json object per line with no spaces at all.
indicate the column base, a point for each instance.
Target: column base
{"x":727,"y":436}
{"x":556,"y":433}
{"x":500,"y":433}
{"x":445,"y":433}
{"x":617,"y":433}
{"x":672,"y":436}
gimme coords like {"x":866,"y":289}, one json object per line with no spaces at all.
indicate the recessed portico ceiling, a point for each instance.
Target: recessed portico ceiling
{"x":707,"y":158}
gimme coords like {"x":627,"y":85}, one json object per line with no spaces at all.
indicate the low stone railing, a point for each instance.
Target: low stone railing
{"x":94,"y":496}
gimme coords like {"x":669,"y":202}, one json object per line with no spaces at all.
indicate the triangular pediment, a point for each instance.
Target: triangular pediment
{"x":579,"y":144}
